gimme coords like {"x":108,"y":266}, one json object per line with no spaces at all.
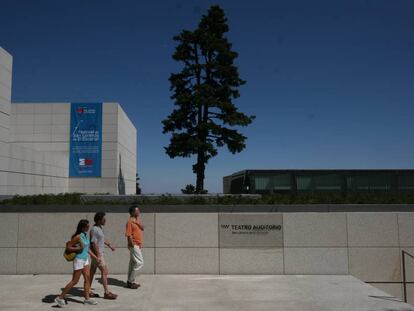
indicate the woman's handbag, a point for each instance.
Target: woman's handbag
{"x":70,"y":252}
{"x":67,"y":254}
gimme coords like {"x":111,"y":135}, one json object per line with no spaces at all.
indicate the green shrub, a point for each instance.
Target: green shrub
{"x":47,"y":199}
{"x":168,"y":199}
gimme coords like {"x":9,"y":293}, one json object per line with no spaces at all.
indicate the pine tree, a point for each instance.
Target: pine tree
{"x":203,"y":92}
{"x":137,"y":187}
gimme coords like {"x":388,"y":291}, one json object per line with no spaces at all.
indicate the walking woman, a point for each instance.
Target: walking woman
{"x":79,"y":244}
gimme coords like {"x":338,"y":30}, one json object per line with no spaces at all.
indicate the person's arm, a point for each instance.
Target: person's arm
{"x":140,"y":223}
{"x":109,"y":245}
{"x":94,"y":245}
{"x":75,"y":244}
{"x":130,"y":242}
{"x":95,"y":248}
{"x":128,"y":234}
{"x":97,"y":258}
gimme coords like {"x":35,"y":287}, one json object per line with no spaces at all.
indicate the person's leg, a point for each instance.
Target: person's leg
{"x":86,"y":278}
{"x":104,"y":277}
{"x":75,"y":279}
{"x":104,"y":274}
{"x":135,"y":264}
{"x":87,"y":289}
{"x":92,"y":273}
{"x":140,"y":259}
{"x":131,"y":274}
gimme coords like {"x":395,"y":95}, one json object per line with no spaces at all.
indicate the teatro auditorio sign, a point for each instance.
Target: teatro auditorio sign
{"x":251,"y":230}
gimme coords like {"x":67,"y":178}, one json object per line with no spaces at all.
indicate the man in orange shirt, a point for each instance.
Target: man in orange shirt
{"x":134,"y":236}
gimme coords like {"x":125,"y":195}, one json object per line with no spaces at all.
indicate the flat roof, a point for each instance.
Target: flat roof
{"x":327,"y":170}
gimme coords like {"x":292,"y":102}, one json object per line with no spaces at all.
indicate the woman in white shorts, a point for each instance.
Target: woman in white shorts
{"x":80,"y":244}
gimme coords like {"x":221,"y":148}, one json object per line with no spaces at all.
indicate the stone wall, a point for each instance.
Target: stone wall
{"x":366,"y":245}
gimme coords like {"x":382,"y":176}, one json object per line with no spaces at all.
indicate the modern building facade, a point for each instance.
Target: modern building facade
{"x":58,"y":147}
{"x":308,"y":181}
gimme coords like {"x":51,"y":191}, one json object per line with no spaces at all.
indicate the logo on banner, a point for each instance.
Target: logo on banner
{"x":85,"y":110}
{"x":85,"y":162}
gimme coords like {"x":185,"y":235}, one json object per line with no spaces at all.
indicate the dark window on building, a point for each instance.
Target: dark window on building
{"x":369,"y":182}
{"x":271,"y":183}
{"x":330,"y":182}
{"x":406,"y":182}
{"x":304,"y":183}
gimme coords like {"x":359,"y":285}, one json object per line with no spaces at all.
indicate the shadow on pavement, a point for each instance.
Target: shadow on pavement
{"x":114,"y":282}
{"x":49,"y":299}
{"x":76,"y":292}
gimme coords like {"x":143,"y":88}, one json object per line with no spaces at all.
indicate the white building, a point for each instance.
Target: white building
{"x":35,"y":144}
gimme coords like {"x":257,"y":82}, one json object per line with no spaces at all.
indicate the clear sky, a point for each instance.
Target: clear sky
{"x":331,"y":82}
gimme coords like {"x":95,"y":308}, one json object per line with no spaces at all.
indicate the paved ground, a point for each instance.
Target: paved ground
{"x":204,"y":292}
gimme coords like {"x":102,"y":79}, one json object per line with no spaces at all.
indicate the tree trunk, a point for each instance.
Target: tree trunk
{"x":199,"y":169}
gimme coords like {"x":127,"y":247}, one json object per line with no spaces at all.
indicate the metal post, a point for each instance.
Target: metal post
{"x":404,"y":282}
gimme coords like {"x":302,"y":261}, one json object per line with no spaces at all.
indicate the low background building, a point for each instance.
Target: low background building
{"x":36,"y":140}
{"x":319,"y":181}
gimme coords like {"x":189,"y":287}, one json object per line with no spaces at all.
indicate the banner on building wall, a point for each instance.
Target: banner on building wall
{"x":85,"y":140}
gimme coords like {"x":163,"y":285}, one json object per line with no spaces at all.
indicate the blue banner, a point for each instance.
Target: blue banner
{"x":85,"y":140}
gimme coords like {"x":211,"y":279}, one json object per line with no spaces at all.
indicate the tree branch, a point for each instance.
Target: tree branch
{"x":216,"y":114}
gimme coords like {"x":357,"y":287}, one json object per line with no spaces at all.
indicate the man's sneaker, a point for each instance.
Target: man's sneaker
{"x":60,"y":302}
{"x":90,"y":301}
{"x":132,"y":285}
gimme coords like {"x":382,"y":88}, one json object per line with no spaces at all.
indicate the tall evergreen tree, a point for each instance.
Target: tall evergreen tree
{"x":137,"y":187}
{"x":203,"y":92}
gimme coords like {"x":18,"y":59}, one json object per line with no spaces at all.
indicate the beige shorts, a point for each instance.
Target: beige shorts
{"x":101,"y":264}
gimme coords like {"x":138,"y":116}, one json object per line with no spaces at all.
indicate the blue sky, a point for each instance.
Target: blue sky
{"x":331,"y":82}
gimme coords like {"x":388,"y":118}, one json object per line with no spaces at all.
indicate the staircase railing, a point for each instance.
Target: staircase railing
{"x":404,"y":253}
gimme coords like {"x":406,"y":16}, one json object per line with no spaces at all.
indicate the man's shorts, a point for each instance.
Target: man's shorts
{"x":101,"y":264}
{"x":79,"y":264}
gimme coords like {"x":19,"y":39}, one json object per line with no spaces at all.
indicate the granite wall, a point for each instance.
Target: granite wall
{"x":365,"y":245}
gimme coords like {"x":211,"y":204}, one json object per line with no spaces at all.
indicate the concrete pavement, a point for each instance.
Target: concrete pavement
{"x":204,"y":292}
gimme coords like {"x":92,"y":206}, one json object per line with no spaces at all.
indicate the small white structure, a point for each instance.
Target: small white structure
{"x":35,"y":146}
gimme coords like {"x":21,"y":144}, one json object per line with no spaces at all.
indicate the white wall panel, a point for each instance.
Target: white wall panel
{"x":110,"y":108}
{"x":5,"y":91}
{"x":4,"y":134}
{"x":4,"y":120}
{"x":43,"y":119}
{"x":3,"y":177}
{"x":4,"y":149}
{"x":24,"y":109}
{"x":24,"y":128}
{"x":5,"y":106}
{"x":61,"y":147}
{"x":6,"y":59}
{"x":61,"y":108}
{"x":61,"y":119}
{"x":43,"y":108}
{"x":5,"y":77}
{"x":24,"y":119}
{"x":109,"y":136}
{"x":108,"y":119}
